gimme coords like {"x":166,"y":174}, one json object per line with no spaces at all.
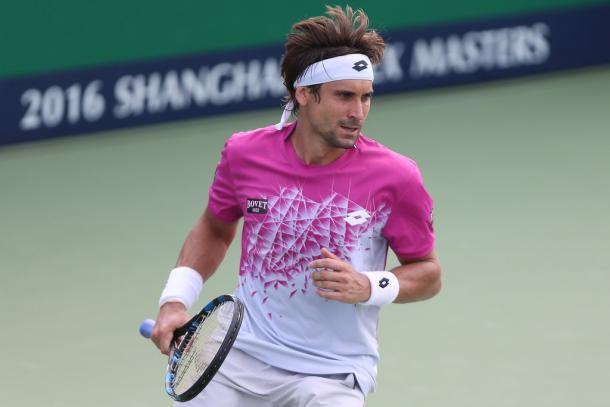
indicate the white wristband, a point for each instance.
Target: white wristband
{"x":384,"y":287}
{"x":183,"y":285}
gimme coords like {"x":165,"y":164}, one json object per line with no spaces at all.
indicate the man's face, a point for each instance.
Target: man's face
{"x":340,"y":111}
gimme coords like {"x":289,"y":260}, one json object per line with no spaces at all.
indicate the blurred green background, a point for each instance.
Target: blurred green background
{"x":91,"y":225}
{"x":38,"y":36}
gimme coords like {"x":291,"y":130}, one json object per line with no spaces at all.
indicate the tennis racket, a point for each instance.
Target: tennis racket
{"x":200,"y":346}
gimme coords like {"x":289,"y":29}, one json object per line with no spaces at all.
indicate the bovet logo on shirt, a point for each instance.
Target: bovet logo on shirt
{"x":257,"y":206}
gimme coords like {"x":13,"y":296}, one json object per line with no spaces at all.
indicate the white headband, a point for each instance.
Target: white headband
{"x":351,"y":66}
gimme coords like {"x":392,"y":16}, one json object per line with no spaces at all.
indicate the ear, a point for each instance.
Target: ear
{"x":302,"y":95}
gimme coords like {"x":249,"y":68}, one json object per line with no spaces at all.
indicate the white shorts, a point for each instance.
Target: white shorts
{"x":244,"y":381}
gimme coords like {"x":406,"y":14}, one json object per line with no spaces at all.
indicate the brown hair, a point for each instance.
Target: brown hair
{"x":340,"y":33}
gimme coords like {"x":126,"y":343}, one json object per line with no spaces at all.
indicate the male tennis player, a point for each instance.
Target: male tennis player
{"x":320,"y":203}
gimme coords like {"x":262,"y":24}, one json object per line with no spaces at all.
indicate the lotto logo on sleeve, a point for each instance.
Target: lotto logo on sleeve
{"x":257,"y":206}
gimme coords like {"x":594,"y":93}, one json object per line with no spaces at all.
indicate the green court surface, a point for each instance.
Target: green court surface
{"x":520,"y":174}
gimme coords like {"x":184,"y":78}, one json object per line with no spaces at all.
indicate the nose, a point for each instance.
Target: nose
{"x":357,"y":110}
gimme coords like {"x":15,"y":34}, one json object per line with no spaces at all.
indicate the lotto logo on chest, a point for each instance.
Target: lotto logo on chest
{"x":357,"y":217}
{"x":257,"y":206}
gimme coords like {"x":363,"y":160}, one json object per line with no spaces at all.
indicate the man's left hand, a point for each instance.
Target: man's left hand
{"x":337,"y":280}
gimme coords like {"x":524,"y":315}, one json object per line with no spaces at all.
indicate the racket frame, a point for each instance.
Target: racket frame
{"x":188,"y":330}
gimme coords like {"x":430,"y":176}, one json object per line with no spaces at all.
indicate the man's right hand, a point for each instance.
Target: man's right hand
{"x":172,"y":315}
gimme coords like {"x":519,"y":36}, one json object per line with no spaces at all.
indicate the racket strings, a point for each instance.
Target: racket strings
{"x":202,"y":347}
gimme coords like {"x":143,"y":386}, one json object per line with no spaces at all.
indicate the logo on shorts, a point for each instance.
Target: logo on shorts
{"x":360,"y":65}
{"x":257,"y":206}
{"x":384,"y":282}
{"x":357,"y":217}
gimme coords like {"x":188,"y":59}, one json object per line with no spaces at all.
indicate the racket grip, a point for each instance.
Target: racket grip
{"x":146,"y":327}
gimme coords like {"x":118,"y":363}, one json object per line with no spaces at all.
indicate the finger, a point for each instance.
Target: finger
{"x":330,"y":295}
{"x":328,"y":254}
{"x":329,"y":284}
{"x":332,"y":264}
{"x":162,"y":337}
{"x":318,"y":276}
{"x":166,"y":343}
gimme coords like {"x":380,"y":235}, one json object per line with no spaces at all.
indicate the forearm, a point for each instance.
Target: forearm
{"x":206,"y":245}
{"x":203,"y":251}
{"x":418,"y":280}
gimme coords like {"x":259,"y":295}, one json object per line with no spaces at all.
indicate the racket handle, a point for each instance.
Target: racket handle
{"x":146,"y":327}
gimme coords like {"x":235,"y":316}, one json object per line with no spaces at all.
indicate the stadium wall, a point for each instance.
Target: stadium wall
{"x":79,"y":93}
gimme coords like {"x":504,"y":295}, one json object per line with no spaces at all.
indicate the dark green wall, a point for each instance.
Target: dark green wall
{"x":40,"y":36}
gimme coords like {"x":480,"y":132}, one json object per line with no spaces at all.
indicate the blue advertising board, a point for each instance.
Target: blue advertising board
{"x":110,"y":97}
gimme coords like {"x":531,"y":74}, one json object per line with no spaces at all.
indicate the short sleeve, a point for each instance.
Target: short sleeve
{"x":222,"y":198}
{"x":409,"y":229}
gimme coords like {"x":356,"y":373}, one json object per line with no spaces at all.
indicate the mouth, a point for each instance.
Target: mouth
{"x":351,"y":129}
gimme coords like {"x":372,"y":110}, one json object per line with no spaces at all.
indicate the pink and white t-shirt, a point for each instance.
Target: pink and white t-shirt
{"x":366,"y":200}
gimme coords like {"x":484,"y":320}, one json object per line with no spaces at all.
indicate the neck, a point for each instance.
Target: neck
{"x":311,"y":147}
